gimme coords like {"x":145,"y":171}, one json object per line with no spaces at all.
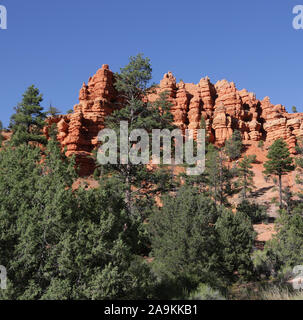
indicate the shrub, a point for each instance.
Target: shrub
{"x":234,"y":145}
{"x":254,"y":211}
{"x":204,"y":292}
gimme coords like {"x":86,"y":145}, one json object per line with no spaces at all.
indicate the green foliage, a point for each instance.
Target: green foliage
{"x":286,"y":248}
{"x":60,"y":243}
{"x":184,"y":239}
{"x":294,"y":109}
{"x":288,"y":198}
{"x":262,"y":264}
{"x":204,"y":292}
{"x":261,"y":144}
{"x":279,"y":163}
{"x":254,"y":211}
{"x":236,"y":239}
{"x":245,"y":180}
{"x":136,"y":180}
{"x":299,"y":163}
{"x":134,"y":78}
{"x":234,"y":145}
{"x":28,"y":120}
{"x":70,"y":111}
{"x":52,"y":111}
{"x":219,"y":176}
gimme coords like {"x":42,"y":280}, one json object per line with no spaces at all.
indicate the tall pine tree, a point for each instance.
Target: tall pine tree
{"x":279,"y":163}
{"x":28,"y":120}
{"x":134,"y":109}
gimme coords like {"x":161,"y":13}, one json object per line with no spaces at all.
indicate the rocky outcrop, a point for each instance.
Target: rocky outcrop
{"x":77,"y":132}
{"x":222,"y":106}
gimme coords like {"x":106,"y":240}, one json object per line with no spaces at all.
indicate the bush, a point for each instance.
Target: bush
{"x":204,"y":292}
{"x":236,"y":236}
{"x":262,"y":263}
{"x":184,"y":239}
{"x":285,"y":250}
{"x":234,"y":145}
{"x":254,"y":211}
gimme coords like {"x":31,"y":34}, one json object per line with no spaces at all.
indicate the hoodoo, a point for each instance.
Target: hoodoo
{"x":223,"y":107}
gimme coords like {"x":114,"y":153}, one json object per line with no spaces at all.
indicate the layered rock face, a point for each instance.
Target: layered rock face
{"x":78,"y":132}
{"x":222,"y":106}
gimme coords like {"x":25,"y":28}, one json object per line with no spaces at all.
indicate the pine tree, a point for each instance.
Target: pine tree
{"x":279,"y":163}
{"x":288,"y":199}
{"x":132,"y":86}
{"x":219,"y":176}
{"x":254,"y":211}
{"x":184,"y":239}
{"x":236,"y":240}
{"x":60,"y":243}
{"x":246,"y":175}
{"x":294,"y":109}
{"x":299,"y":164}
{"x":28,"y":120}
{"x":285,"y":250}
{"x":234,"y":145}
{"x":19,"y":175}
{"x":52,"y":111}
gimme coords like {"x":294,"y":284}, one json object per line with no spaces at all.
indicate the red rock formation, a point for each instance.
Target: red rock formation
{"x":77,"y":132}
{"x":223,"y":107}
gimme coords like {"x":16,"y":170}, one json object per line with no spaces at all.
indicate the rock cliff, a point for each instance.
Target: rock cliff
{"x":223,"y":107}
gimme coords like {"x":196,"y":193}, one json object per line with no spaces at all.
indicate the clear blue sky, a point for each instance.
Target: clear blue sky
{"x":57,"y":45}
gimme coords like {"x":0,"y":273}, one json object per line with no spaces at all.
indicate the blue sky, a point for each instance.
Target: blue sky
{"x":57,"y":45}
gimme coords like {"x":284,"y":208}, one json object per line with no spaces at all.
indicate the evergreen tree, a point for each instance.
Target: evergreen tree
{"x":236,"y":240}
{"x":246,"y":175}
{"x":52,"y":111}
{"x":184,"y":239}
{"x":132,"y":85}
{"x":285,"y":250}
{"x":60,"y":243}
{"x":254,"y":211}
{"x":219,"y":176}
{"x":19,"y":175}
{"x":294,"y":109}
{"x":234,"y":145}
{"x":28,"y":120}
{"x":299,"y":165}
{"x":288,"y":199}
{"x":279,"y":163}
{"x":200,"y":181}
